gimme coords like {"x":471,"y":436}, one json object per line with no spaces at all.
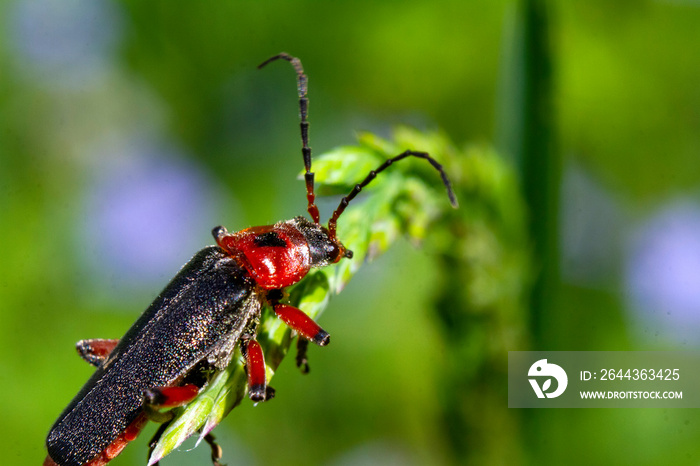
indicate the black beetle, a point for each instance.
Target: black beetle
{"x":192,"y":328}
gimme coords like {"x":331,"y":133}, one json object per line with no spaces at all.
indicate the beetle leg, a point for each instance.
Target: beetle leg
{"x":95,"y":350}
{"x":258,"y":390}
{"x":216,"y":451}
{"x":302,"y":324}
{"x":302,"y":359}
{"x":158,"y":398}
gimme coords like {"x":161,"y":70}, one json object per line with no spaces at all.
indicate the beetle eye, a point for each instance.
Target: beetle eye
{"x":333,"y":252}
{"x":338,"y":251}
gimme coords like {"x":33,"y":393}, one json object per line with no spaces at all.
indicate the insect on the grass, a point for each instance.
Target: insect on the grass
{"x":193,"y":327}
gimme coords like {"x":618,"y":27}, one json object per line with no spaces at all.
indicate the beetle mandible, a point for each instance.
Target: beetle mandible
{"x":193,"y":327}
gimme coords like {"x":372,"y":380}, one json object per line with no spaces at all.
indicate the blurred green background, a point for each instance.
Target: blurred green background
{"x":129,"y":129}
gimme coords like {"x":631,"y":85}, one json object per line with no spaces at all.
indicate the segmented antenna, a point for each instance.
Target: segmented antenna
{"x":302,"y":84}
{"x":373,"y":174}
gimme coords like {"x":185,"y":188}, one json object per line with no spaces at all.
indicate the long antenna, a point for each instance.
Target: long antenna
{"x":302,"y":85}
{"x":373,"y":174}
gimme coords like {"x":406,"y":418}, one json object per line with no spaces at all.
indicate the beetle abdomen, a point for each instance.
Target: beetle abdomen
{"x":209,"y":301}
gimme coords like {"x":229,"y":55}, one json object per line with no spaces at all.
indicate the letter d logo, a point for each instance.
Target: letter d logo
{"x":543,"y":369}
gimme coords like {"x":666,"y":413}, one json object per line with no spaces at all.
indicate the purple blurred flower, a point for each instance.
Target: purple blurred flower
{"x":663,"y":273}
{"x":147,"y":211}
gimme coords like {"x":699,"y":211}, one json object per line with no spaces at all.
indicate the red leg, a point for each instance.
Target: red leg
{"x":166,"y":397}
{"x":170,"y":397}
{"x":95,"y":350}
{"x":303,"y":324}
{"x":257,"y":380}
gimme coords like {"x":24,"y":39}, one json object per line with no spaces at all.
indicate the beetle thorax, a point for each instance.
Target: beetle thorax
{"x":280,"y":255}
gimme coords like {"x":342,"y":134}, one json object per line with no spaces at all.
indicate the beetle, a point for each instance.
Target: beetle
{"x":191,"y":330}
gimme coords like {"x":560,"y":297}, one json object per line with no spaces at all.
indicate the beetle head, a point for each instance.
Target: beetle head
{"x":324,"y":248}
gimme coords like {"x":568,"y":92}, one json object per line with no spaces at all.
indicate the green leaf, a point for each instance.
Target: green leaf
{"x":342,"y":167}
